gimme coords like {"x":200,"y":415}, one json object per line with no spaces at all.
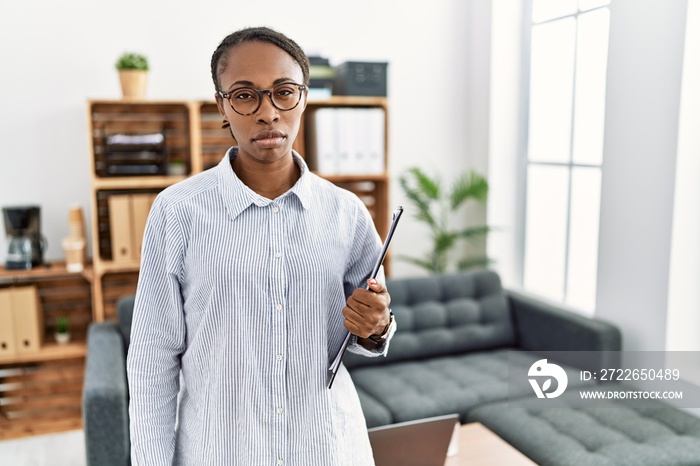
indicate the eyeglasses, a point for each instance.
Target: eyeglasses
{"x":247,"y":100}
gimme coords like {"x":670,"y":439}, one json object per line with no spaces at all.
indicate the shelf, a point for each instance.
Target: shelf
{"x":349,"y":101}
{"x":48,"y":271}
{"x":111,"y":266}
{"x":136,"y":182}
{"x":354,"y":178}
{"x":134,"y":102}
{"x":49,"y":352}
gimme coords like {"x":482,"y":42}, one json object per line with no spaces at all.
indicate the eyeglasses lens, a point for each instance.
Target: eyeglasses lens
{"x":247,"y":100}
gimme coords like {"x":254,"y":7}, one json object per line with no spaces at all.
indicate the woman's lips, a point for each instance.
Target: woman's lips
{"x":269,"y":139}
{"x":268,"y":143}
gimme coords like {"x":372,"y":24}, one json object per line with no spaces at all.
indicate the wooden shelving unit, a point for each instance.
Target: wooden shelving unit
{"x":40,"y":392}
{"x":193,"y":135}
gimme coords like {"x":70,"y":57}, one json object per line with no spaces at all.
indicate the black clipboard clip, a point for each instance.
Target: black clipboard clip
{"x":333,"y":368}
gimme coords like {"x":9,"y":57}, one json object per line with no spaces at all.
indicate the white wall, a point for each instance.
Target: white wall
{"x":639,"y":167}
{"x":57,"y":55}
{"x":684,"y":292}
{"x":506,"y":141}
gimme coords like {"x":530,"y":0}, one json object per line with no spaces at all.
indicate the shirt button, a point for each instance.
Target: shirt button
{"x":279,"y":357}
{"x":279,"y":307}
{"x":280,"y":462}
{"x":280,"y":410}
{"x":275,"y":209}
{"x":278,"y":255}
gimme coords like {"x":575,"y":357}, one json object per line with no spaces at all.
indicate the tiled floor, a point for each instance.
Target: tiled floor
{"x":64,"y":449}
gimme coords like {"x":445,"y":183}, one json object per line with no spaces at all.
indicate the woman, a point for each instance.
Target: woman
{"x":245,"y":271}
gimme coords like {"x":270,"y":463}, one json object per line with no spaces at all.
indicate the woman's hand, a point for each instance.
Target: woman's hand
{"x":367,"y":311}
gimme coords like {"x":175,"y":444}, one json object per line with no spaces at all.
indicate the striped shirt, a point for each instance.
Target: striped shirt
{"x":237,"y":315}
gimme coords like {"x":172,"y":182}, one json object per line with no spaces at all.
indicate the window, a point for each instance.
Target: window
{"x":566,"y":113}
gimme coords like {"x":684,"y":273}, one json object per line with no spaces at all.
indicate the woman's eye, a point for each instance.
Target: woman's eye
{"x":244,"y":96}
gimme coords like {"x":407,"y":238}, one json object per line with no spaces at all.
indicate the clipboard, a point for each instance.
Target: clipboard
{"x":333,"y":368}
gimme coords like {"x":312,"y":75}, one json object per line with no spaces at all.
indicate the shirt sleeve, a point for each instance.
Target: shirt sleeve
{"x":157,"y":341}
{"x":364,"y":254}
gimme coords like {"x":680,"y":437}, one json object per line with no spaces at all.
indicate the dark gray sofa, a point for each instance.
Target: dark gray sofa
{"x":105,"y":390}
{"x":457,"y":337}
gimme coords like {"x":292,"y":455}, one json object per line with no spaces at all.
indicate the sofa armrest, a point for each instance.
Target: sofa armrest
{"x":541,"y":326}
{"x":105,"y":398}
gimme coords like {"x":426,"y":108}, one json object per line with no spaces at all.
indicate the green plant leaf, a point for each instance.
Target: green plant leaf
{"x":132,"y":61}
{"x":422,"y":205}
{"x":473,"y":233}
{"x":438,"y":260}
{"x":62,"y":324}
{"x":473,"y":263}
{"x":427,"y":186}
{"x":429,"y":266}
{"x":444,"y":241}
{"x":469,"y":186}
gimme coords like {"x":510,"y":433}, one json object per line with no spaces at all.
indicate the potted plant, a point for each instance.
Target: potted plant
{"x":435,"y":205}
{"x":62,"y":330}
{"x":177,"y":168}
{"x":133,"y":70}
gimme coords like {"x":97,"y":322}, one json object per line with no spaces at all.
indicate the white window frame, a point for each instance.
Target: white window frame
{"x":523,"y":160}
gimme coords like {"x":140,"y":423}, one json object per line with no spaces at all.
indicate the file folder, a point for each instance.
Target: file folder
{"x":7,"y":326}
{"x":28,"y":319}
{"x":120,"y":228}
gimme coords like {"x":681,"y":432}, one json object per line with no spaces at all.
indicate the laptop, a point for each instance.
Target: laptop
{"x":422,"y":442}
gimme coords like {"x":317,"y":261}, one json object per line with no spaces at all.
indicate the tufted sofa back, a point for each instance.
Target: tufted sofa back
{"x":443,"y":315}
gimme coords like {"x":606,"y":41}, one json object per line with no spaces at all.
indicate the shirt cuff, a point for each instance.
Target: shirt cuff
{"x":379,"y":350}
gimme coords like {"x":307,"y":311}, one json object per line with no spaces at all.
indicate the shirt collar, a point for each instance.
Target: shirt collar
{"x":238,"y":197}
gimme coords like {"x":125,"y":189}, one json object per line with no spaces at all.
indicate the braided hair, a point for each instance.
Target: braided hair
{"x":257,"y":34}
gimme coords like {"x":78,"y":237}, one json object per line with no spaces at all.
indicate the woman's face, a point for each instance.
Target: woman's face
{"x":267,"y":134}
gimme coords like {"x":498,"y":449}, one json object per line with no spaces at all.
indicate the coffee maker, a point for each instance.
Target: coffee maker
{"x":26,"y":245}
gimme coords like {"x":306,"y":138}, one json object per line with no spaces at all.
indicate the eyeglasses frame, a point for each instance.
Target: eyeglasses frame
{"x":260,"y":92}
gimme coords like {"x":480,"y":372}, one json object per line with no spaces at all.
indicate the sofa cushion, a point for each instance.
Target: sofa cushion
{"x":375,"y":413}
{"x":612,"y":434}
{"x":443,"y":385}
{"x":443,"y":315}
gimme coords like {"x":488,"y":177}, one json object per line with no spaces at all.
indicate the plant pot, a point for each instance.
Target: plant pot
{"x":177,"y":169}
{"x":62,"y":338}
{"x":133,"y":84}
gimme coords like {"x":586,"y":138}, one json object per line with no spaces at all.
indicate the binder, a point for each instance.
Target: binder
{"x":376,"y":137}
{"x":348,"y":144}
{"x":325,"y":140}
{"x":120,"y":228}
{"x":27,"y":316}
{"x":7,"y":326}
{"x":361,"y":141}
{"x":140,"y":206}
